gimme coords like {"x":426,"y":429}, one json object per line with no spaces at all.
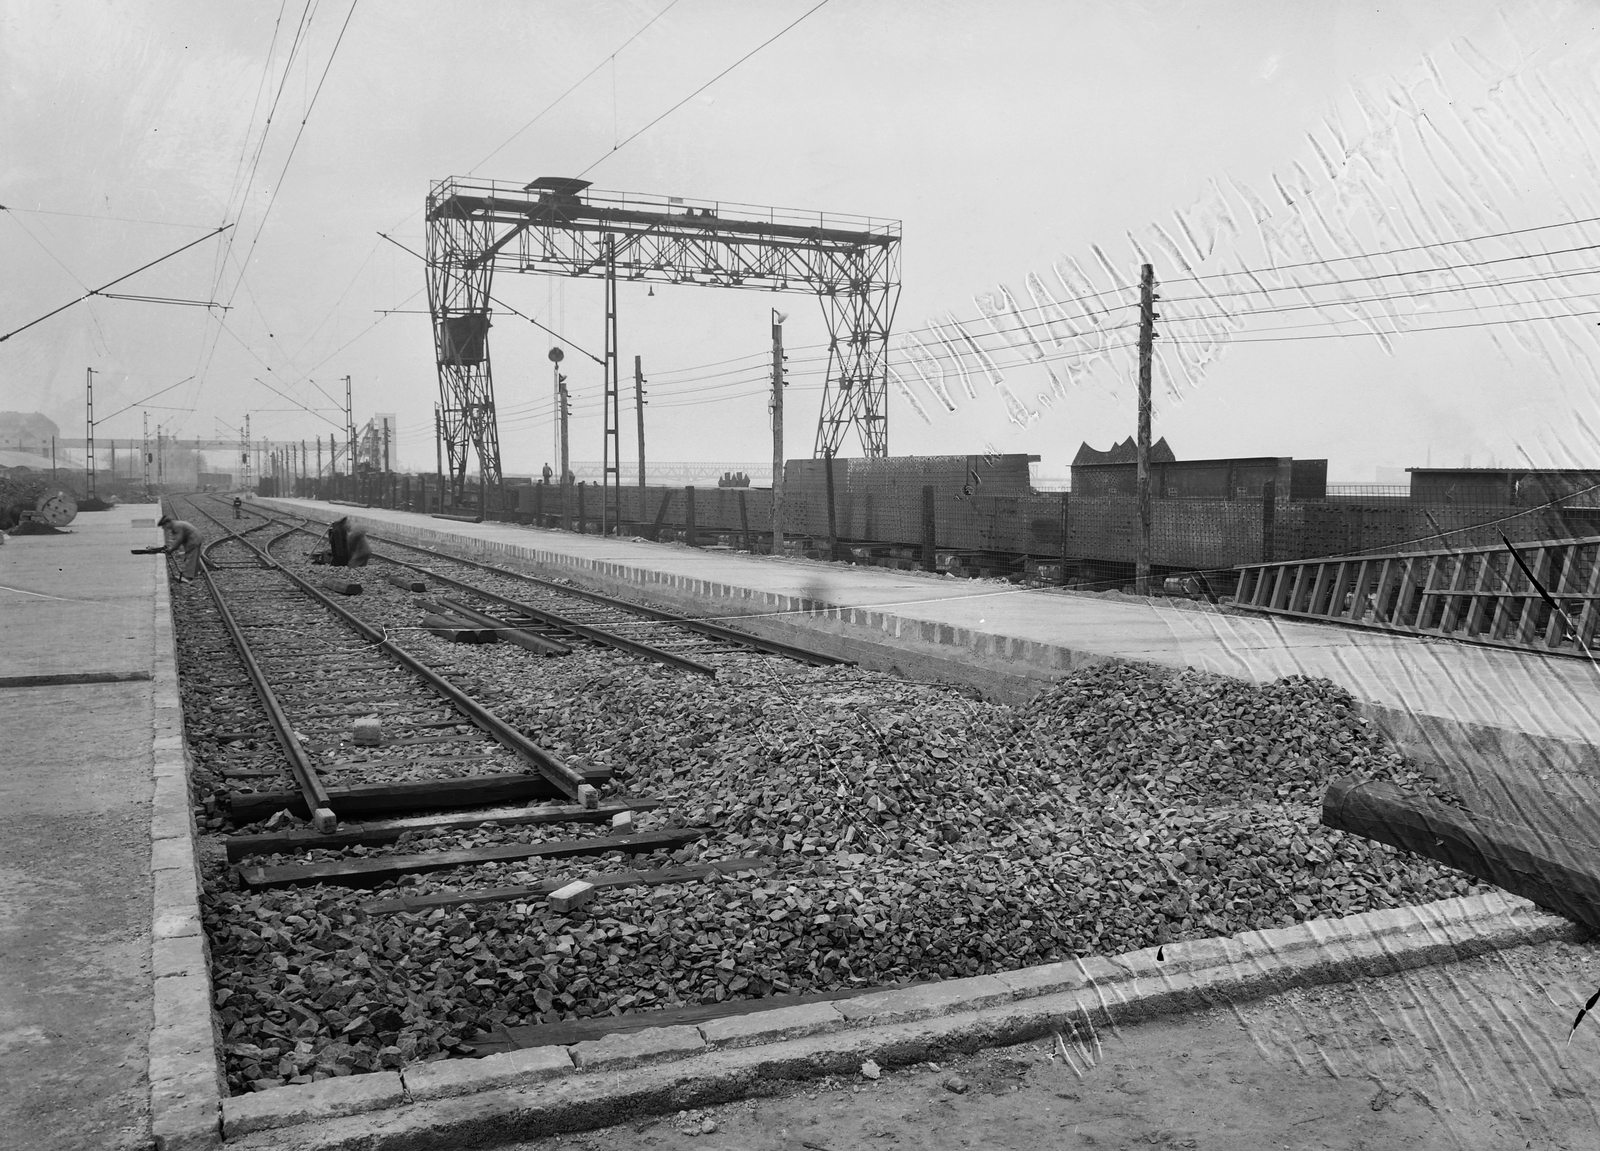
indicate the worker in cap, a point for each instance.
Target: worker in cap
{"x":348,"y":545}
{"x":181,"y":534}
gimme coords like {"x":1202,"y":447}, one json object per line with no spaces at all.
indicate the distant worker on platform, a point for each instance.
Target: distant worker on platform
{"x":348,"y":545}
{"x":237,"y":504}
{"x":182,"y":535}
{"x":547,"y":473}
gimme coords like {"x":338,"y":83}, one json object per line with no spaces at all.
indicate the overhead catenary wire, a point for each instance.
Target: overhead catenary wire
{"x":112,"y":283}
{"x":615,"y":148}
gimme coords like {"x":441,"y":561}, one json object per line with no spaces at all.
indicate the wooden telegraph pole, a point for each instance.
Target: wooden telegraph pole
{"x":777,"y":431}
{"x":556,"y":356}
{"x":1147,"y":320}
{"x":638,"y":407}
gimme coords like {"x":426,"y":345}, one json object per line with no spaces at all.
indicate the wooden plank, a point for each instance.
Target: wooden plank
{"x":371,"y":834}
{"x":1341,"y":587}
{"x":457,"y":630}
{"x":1481,"y":600}
{"x":1430,"y":592}
{"x":407,"y":582}
{"x":339,"y":586}
{"x":1404,"y":592}
{"x":1555,"y":629}
{"x":1450,"y":616}
{"x":394,"y":798}
{"x":507,"y":631}
{"x":1556,"y":873}
{"x":1295,"y":587}
{"x":1279,"y":578}
{"x":371,"y":872}
{"x":1528,"y":624}
{"x":1380,"y":591}
{"x":1320,"y":587}
{"x":1590,"y":616}
{"x":655,"y":877}
{"x":1358,"y":594}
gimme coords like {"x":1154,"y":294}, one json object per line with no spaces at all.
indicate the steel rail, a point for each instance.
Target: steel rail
{"x":562,"y":623}
{"x":572,"y":782}
{"x":305,"y":775}
{"x":704,"y":627}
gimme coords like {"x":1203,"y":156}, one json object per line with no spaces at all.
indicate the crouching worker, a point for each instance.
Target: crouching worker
{"x":181,"y":535}
{"x":347,"y":545}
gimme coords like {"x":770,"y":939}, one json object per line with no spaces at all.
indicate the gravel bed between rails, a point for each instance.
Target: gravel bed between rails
{"x":917,"y":834}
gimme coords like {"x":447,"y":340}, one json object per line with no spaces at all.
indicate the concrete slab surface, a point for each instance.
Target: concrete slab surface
{"x":75,"y":978}
{"x":78,"y":603}
{"x":77,"y":794}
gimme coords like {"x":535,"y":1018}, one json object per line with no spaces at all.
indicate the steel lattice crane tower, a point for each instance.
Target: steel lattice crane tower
{"x":560,"y":226}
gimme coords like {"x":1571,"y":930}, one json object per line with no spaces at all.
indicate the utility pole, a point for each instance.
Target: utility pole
{"x":777,"y":430}
{"x":244,"y":453}
{"x":146,"y":454}
{"x":638,"y":407}
{"x":1147,"y":324}
{"x":438,"y":455}
{"x":349,"y":429}
{"x":52,"y":459}
{"x":89,"y":438}
{"x":556,"y":356}
{"x":611,"y":439}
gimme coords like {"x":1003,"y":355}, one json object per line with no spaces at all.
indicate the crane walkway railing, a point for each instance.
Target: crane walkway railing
{"x":1479,"y":594}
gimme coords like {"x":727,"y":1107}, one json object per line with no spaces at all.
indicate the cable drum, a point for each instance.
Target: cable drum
{"x":57,"y":508}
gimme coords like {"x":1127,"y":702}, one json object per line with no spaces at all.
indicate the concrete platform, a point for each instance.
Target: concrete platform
{"x":1517,"y":734}
{"x":94,"y":827}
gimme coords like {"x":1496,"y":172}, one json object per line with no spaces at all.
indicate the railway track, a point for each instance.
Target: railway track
{"x":767,"y":828}
{"x":512,"y":602}
{"x":369,"y":721}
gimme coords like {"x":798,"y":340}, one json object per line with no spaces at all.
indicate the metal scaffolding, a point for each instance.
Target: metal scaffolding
{"x":558,"y":226}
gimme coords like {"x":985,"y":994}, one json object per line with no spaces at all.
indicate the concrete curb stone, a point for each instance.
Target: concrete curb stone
{"x":773,"y":1026}
{"x":632,"y":1048}
{"x":311,"y":1102}
{"x":465,"y":1076}
{"x":729,"y":1058}
{"x":186,"y":1080}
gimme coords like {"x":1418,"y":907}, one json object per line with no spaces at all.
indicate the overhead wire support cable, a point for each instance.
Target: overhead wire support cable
{"x":500,"y":303}
{"x":1433,"y":270}
{"x":615,"y":148}
{"x":101,"y":289}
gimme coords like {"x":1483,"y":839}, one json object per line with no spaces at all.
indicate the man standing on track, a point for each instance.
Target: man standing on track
{"x":182,"y":534}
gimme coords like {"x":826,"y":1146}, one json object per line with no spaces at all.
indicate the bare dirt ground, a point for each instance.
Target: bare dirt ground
{"x":1469,"y":1055}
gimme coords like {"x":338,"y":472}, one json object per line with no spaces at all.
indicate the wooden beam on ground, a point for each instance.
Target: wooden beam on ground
{"x":371,"y":872}
{"x":506,"y":630}
{"x":373,"y":834}
{"x":338,"y":585}
{"x":1556,"y":873}
{"x":655,"y":877}
{"x":407,"y":582}
{"x":397,"y":798}
{"x":457,"y":630}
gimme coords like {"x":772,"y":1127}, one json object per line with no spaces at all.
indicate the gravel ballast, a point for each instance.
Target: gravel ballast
{"x":915,"y":834}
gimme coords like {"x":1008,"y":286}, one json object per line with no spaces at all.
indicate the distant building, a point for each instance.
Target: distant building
{"x":1517,"y":487}
{"x":1115,"y":473}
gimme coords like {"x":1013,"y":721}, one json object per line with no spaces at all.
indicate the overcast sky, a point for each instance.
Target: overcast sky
{"x":1010,"y":138}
